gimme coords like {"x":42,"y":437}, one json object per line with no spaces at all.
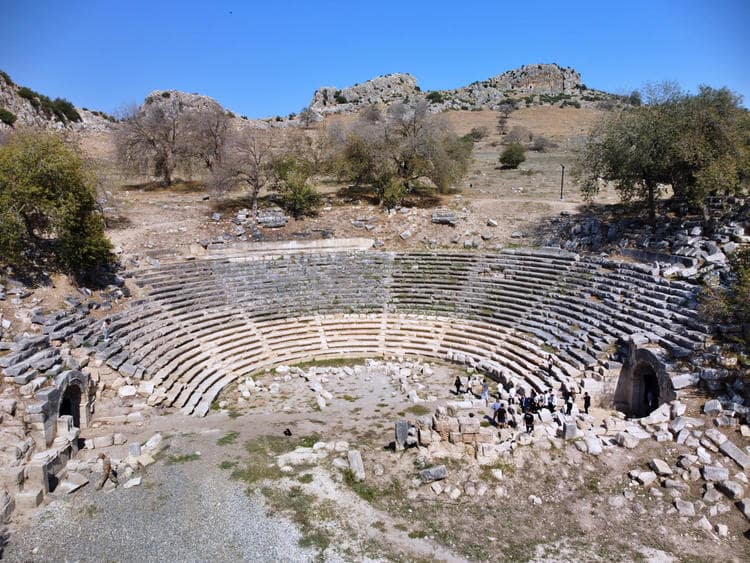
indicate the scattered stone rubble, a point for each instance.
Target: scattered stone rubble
{"x":405,"y":375}
{"x":45,"y":377}
{"x":701,"y":482}
{"x":688,"y":249}
{"x":242,"y":228}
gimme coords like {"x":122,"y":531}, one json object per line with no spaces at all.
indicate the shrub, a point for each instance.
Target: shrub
{"x":29,"y":94}
{"x":339,"y":97}
{"x":165,"y":95}
{"x":635,"y":98}
{"x":393,"y":193}
{"x":435,"y":97}
{"x":518,"y":135}
{"x":478,"y":133}
{"x":513,"y":155}
{"x":300,"y":199}
{"x":65,"y":110}
{"x":6,"y":77}
{"x":60,"y":108}
{"x":7,"y":117}
{"x":541,"y":144}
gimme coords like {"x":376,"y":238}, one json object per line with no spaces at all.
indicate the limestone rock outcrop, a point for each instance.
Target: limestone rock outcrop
{"x":549,"y":80}
{"x":380,"y":90}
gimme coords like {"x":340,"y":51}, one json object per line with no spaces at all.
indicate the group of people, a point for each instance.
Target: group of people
{"x":528,"y":406}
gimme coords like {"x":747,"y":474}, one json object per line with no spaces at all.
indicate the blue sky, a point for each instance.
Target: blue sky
{"x":267,"y":58}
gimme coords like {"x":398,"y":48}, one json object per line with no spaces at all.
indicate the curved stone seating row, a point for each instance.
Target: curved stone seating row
{"x":538,"y":319}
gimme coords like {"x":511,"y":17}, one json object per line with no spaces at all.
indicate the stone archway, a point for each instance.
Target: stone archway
{"x":645,"y":392}
{"x":72,"y":395}
{"x":644,"y":383}
{"x":70,"y":404}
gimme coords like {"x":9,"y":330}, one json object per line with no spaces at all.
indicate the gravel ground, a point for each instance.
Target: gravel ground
{"x":181,"y":512}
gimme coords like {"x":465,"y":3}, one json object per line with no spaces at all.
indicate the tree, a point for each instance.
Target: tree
{"x":635,"y":98}
{"x":307,"y":117}
{"x":151,"y":141}
{"x":166,"y":132}
{"x":48,"y":218}
{"x":697,"y":145}
{"x":206,"y":130}
{"x":392,"y":152}
{"x":711,"y":144}
{"x":292,"y":175}
{"x":506,"y":108}
{"x":513,"y":155}
{"x":246,"y":160}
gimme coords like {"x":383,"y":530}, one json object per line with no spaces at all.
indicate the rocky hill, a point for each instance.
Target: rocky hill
{"x":380,"y":90}
{"x":21,"y":106}
{"x":536,"y":84}
{"x":173,"y":102}
{"x":529,"y":85}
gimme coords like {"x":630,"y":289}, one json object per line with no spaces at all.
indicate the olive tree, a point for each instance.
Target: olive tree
{"x":48,"y":218}
{"x":206,"y":129}
{"x":393,"y":152}
{"x":695,"y":145}
{"x":246,"y":162}
{"x":165,"y":133}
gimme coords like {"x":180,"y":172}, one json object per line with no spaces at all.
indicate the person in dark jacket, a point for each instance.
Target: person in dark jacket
{"x":528,"y":418}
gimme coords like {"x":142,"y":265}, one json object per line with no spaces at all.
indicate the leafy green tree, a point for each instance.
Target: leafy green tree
{"x":298,"y":196}
{"x":392,"y":153}
{"x":695,"y":145}
{"x":48,"y":218}
{"x":513,"y":155}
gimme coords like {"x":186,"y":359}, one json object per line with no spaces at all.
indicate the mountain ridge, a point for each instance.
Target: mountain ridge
{"x":533,"y":84}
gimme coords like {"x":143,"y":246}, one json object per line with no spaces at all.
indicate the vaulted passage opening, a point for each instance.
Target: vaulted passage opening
{"x":645,"y":390}
{"x":71,"y":404}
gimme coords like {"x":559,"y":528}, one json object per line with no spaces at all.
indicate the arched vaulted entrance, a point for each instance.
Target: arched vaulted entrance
{"x":70,"y":404}
{"x":644,"y":383}
{"x":645,"y":397}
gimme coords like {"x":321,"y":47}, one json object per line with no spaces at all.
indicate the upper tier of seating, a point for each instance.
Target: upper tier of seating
{"x":531,"y":318}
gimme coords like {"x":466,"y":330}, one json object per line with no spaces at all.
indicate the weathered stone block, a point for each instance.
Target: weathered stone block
{"x":715,"y":473}
{"x":431,"y":474}
{"x":660,"y":466}
{"x":104,"y":441}
{"x":402,"y":432}
{"x":712,"y":407}
{"x":732,"y":489}
{"x":356,"y":465}
{"x":730,"y":450}
{"x":30,"y":498}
